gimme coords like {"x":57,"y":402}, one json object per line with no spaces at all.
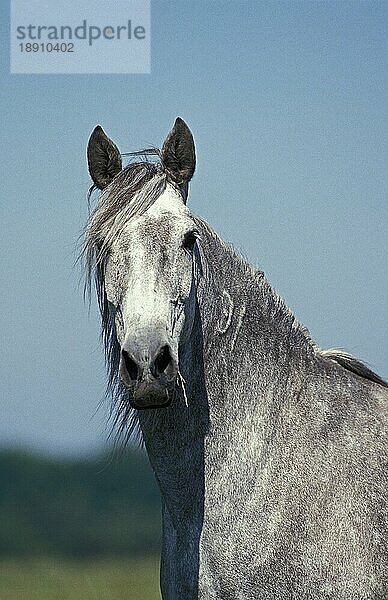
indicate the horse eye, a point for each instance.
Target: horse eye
{"x":190,"y":239}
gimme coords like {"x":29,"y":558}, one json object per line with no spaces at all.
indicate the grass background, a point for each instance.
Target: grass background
{"x":78,"y":529}
{"x":56,"y":579}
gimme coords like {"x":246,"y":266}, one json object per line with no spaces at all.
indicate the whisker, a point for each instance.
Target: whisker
{"x":183,"y":385}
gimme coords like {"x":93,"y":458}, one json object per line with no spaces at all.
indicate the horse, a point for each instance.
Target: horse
{"x":269,"y":452}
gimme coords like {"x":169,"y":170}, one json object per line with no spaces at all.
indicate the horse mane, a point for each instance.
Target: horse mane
{"x":131,"y":192}
{"x":350,"y":363}
{"x":282,"y":311}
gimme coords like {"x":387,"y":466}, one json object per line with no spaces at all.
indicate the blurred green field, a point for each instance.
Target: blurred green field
{"x":58,"y":579}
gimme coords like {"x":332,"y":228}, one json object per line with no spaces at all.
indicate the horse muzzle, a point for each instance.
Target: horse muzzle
{"x":149,"y":372}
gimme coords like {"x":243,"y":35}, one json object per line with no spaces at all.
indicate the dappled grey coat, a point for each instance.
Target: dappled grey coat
{"x":269,"y":452}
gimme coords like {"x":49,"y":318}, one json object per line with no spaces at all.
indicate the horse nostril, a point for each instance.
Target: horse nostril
{"x":131,"y":366}
{"x":161,"y":362}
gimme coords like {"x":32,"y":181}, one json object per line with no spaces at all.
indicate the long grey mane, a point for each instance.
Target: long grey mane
{"x":132,"y":191}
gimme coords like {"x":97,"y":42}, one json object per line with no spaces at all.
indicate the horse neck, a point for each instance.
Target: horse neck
{"x":256,"y":354}
{"x":243,"y":317}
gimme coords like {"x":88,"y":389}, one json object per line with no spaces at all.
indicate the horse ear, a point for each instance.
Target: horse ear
{"x":178,"y":153}
{"x":104,"y":158}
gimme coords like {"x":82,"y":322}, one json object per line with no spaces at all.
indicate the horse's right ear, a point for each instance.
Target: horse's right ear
{"x":104,"y":158}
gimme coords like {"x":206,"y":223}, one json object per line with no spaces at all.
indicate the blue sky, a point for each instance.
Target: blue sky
{"x":287,"y":103}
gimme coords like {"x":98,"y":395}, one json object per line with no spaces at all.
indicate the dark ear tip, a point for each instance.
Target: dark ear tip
{"x":180,"y":123}
{"x":97,"y":132}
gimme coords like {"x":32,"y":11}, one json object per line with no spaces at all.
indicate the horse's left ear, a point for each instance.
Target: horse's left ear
{"x":178,"y":153}
{"x":104,"y":158}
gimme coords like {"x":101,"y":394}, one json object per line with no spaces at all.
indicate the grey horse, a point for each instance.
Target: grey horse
{"x":270,"y":453}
